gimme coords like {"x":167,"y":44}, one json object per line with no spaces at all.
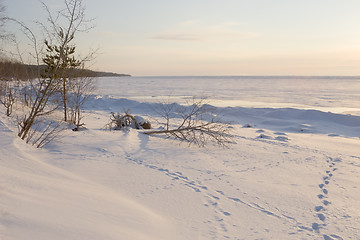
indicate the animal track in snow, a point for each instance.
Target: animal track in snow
{"x":332,"y":237}
{"x":315,"y":226}
{"x":320,"y":196}
{"x":320,"y":210}
{"x":321,"y":216}
{"x":212,"y":197}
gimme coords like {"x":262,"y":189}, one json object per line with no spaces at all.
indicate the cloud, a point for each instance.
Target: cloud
{"x":177,"y":36}
{"x":111,"y":34}
{"x":194,"y":31}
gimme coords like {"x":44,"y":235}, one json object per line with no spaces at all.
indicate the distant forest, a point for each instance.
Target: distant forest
{"x":20,"y":71}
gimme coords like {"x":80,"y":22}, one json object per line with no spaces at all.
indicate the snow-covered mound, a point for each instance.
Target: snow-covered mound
{"x":42,"y":201}
{"x":289,"y":173}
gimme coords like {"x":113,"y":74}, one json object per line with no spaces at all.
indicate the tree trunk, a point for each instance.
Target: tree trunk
{"x":26,"y":128}
{"x":64,"y":99}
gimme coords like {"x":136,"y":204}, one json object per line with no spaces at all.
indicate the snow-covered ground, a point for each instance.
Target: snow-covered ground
{"x":292,"y":171}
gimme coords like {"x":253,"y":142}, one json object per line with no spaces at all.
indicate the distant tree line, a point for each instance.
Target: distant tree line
{"x":12,"y":69}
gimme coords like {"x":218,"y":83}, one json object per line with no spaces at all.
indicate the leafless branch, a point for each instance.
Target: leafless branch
{"x":198,"y":125}
{"x":43,"y":132}
{"x":8,"y":97}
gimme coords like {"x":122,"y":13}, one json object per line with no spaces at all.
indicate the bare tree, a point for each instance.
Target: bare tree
{"x":80,"y":89}
{"x":60,"y":47}
{"x":42,"y":89}
{"x":7,"y":93}
{"x":59,"y":59}
{"x":3,"y":18}
{"x":7,"y":96}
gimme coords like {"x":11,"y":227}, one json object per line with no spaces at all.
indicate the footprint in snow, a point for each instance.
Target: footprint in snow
{"x":321,"y":216}
{"x":221,"y":192}
{"x":214,"y":197}
{"x":332,"y":237}
{"x":319,"y":208}
{"x":280,"y":133}
{"x":315,"y":226}
{"x":282,"y":138}
{"x":226,"y":213}
{"x":320,"y":196}
{"x":263,"y":136}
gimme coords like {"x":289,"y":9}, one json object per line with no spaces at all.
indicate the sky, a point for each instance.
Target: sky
{"x":216,"y":37}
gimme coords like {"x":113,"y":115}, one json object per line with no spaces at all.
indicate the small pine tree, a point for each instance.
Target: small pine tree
{"x":60,"y":65}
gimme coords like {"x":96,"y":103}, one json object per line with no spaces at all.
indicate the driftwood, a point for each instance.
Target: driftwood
{"x":198,"y":134}
{"x":120,"y":121}
{"x":193,"y":129}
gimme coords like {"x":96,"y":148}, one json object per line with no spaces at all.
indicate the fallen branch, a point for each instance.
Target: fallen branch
{"x":199,"y":134}
{"x":193,"y":129}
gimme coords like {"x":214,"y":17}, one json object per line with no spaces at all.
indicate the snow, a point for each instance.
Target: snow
{"x":292,"y":171}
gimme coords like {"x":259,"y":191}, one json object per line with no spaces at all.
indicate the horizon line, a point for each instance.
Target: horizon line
{"x":253,"y":76}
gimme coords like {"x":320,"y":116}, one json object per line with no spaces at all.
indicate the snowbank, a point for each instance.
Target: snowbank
{"x":41,"y":201}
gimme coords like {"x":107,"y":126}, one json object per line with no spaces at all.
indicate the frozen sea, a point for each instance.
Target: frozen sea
{"x":327,"y":93}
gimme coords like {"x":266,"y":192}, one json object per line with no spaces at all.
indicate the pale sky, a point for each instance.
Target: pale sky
{"x":217,"y":37}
